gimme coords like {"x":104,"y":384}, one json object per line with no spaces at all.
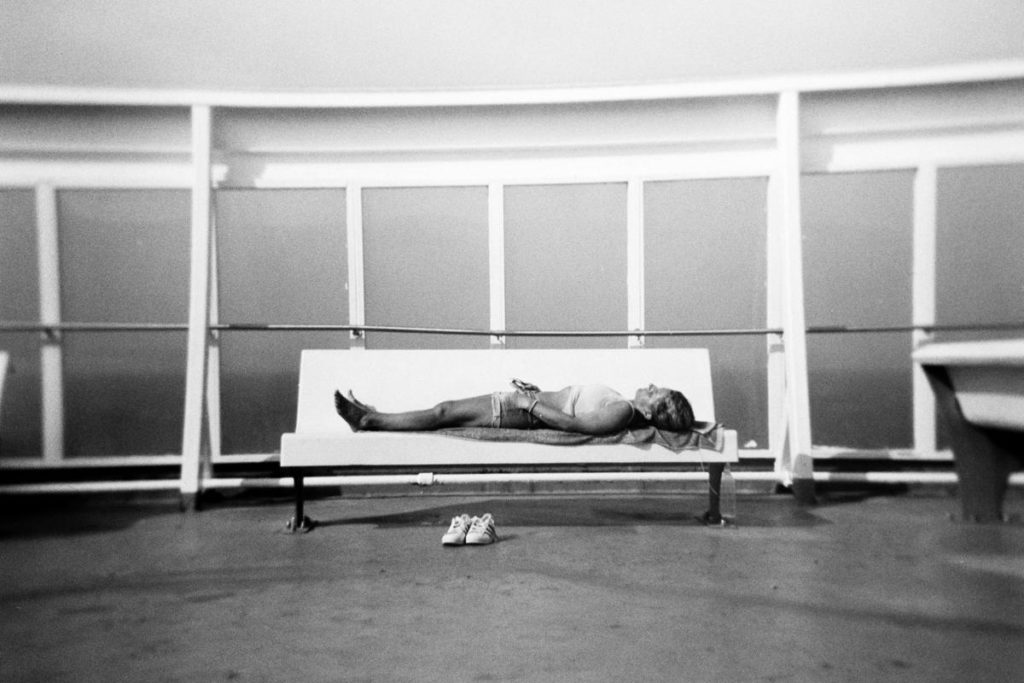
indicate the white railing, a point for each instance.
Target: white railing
{"x":774,"y":128}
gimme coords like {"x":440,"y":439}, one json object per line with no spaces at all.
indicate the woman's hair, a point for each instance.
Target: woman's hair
{"x":673,"y":413}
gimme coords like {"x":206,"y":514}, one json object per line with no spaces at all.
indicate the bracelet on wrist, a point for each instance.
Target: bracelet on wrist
{"x":532,"y":406}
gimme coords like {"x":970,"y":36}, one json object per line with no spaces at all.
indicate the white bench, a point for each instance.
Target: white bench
{"x":408,"y":380}
{"x":979,"y":390}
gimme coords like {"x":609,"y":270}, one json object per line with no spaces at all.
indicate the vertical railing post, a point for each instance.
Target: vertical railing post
{"x":199,"y":308}
{"x":801,"y":465}
{"x":354,"y":247}
{"x":51,"y":353}
{"x":496,"y":251}
{"x":635,"y":261}
{"x":925,"y":197}
{"x":775,"y":343}
{"x":213,"y":425}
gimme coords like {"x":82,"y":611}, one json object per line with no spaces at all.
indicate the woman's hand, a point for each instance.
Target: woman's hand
{"x":520,"y":385}
{"x":524,"y":399}
{"x":526,"y":393}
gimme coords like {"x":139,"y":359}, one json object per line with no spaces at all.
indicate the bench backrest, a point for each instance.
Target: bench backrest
{"x":410,"y":380}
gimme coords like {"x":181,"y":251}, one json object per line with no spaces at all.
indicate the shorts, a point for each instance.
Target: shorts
{"x":505,"y":414}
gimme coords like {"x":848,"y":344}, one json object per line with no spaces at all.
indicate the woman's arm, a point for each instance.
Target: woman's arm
{"x":612,"y":418}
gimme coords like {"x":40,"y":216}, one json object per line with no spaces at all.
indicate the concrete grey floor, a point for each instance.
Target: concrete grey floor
{"x":578,"y":589}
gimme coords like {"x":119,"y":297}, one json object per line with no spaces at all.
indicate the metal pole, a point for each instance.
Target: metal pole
{"x":51,"y":352}
{"x":801,"y":467}
{"x":199,"y":309}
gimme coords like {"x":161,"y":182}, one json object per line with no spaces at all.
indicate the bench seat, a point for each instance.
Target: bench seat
{"x":426,"y":450}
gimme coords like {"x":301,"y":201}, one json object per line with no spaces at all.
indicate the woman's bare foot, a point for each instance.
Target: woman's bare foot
{"x":368,"y":408}
{"x":351,"y":412}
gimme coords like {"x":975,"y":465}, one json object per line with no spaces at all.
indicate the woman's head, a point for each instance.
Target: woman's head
{"x":665,"y":408}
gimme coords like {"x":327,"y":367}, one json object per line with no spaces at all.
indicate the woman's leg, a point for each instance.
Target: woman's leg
{"x":466,"y":412}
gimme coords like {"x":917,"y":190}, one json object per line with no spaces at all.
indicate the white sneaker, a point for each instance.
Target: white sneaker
{"x":456,"y":534}
{"x":482,"y":531}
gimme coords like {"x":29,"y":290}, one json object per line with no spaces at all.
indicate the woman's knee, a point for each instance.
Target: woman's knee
{"x":444,"y":411}
{"x":458,"y":413}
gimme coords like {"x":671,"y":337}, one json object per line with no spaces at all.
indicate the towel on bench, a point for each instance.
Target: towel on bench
{"x":704,"y":435}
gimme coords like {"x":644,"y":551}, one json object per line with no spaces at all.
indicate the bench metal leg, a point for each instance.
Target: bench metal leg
{"x":300,"y":523}
{"x":714,"y":512}
{"x":984,"y":457}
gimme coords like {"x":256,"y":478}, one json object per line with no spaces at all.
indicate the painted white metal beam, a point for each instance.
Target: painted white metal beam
{"x":51,"y":352}
{"x":994,"y":70}
{"x":213,"y":367}
{"x":496,"y":256}
{"x":775,"y":345}
{"x":273,"y":172}
{"x":800,"y":463}
{"x":68,"y":174}
{"x":911,"y":150}
{"x":199,"y":306}
{"x":635,"y":285}
{"x":354,"y":248}
{"x":919,"y":478}
{"x":138,"y":460}
{"x":923,"y":297}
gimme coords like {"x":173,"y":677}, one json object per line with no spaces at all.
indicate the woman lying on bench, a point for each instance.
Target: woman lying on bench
{"x":584,"y":408}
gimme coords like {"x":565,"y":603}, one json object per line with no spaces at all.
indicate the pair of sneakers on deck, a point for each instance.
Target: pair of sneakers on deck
{"x":465,"y":530}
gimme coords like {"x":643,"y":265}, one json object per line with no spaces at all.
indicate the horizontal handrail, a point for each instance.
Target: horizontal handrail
{"x":330,"y":327}
{"x":52,"y":328}
{"x":501,"y":333}
{"x":973,"y":72}
{"x":966,"y":327}
{"x":20,"y":326}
